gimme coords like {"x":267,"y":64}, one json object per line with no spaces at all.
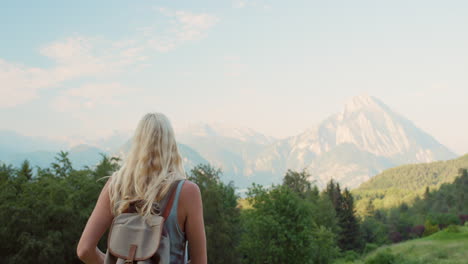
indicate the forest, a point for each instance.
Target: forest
{"x":407,"y":183}
{"x":44,"y":210}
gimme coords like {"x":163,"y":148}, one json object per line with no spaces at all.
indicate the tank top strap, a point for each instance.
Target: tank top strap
{"x":175,"y":205}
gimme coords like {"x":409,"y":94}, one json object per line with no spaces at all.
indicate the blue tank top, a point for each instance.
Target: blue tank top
{"x":178,"y":239}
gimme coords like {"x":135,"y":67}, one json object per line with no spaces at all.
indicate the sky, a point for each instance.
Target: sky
{"x":85,"y":69}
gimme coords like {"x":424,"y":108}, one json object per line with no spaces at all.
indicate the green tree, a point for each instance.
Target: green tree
{"x":324,"y":214}
{"x":42,"y":219}
{"x":25,"y":171}
{"x":279,"y":228}
{"x":105,"y":167}
{"x":349,"y":238}
{"x":221,"y":215}
{"x":343,"y":203}
{"x":6,"y":172}
{"x":298,"y":182}
{"x":324,"y":245}
{"x":369,"y":210}
{"x":374,"y":231}
{"x":62,"y":166}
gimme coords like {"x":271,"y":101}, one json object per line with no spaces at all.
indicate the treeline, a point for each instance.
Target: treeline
{"x":44,"y":210}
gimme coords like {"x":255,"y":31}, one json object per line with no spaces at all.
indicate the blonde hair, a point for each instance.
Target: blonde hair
{"x":150,"y":168}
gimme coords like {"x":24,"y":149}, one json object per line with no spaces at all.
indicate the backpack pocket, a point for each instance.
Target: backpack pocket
{"x":133,"y":238}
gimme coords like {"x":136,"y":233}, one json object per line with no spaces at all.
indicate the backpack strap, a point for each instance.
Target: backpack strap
{"x":165,"y":204}
{"x":168,"y":206}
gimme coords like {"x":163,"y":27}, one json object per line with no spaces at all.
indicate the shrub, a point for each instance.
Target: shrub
{"x":466,"y":223}
{"x":350,"y":255}
{"x":370,"y":247}
{"x":395,"y":237}
{"x":453,"y":229}
{"x":430,"y":229}
{"x":417,"y":231}
{"x":444,"y":220}
{"x":383,"y":257}
{"x":441,"y":255}
{"x":463,"y":218}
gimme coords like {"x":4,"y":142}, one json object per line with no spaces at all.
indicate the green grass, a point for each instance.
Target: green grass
{"x":443,"y":247}
{"x":243,"y":204}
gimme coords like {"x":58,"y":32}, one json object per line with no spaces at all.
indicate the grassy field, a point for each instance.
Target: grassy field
{"x":443,"y":247}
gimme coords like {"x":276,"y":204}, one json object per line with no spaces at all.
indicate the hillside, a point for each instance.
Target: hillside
{"x":416,"y":176}
{"x":441,"y":247}
{"x":404,"y":183}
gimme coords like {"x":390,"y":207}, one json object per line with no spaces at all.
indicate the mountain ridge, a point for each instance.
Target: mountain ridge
{"x":350,"y":146}
{"x":369,"y":125}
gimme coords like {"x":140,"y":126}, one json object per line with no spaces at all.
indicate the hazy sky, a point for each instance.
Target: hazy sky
{"x":86,"y":68}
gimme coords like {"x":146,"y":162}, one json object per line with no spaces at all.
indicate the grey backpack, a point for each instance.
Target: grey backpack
{"x":132,"y":239}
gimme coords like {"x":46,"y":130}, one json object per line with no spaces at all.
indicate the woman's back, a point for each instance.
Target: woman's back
{"x":189,"y":215}
{"x":176,"y":233}
{"x":153,"y":162}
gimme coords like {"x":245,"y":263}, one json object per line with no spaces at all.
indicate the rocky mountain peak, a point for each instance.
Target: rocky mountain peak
{"x":364,"y":102}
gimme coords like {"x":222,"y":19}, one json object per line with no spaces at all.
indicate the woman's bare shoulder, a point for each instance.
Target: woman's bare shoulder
{"x":190,"y":189}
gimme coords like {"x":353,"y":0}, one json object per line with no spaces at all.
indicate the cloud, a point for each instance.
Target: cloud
{"x":184,"y":26}
{"x":250,"y":3}
{"x":239,"y":3}
{"x":20,"y":84}
{"x":74,"y":57}
{"x":91,"y":96}
{"x":193,"y":26}
{"x":81,"y":57}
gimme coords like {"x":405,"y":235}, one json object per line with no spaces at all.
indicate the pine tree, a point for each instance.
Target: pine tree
{"x":25,"y":171}
{"x":63,"y":166}
{"x":369,"y":210}
{"x":334,"y":192}
{"x":6,"y":171}
{"x":343,"y":202}
{"x":427,"y":193}
{"x":350,"y":236}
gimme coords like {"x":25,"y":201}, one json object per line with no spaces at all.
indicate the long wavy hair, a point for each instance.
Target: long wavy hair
{"x":150,"y":168}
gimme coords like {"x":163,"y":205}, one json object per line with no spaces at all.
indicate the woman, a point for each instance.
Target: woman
{"x":152,"y":165}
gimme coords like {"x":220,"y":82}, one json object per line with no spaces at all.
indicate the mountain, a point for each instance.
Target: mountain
{"x":15,"y":148}
{"x":80,"y":156}
{"x":220,"y":130}
{"x":352,"y":146}
{"x":112,"y":142}
{"x":13,"y":142}
{"x":227,"y":148}
{"x":190,"y":157}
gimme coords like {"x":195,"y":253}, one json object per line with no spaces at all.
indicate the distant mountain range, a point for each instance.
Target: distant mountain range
{"x":350,"y":147}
